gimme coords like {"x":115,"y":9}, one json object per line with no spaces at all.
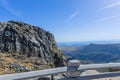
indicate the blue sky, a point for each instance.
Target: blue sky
{"x":68,"y":20}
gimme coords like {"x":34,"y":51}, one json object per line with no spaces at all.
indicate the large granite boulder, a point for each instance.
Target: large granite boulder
{"x":30,"y":41}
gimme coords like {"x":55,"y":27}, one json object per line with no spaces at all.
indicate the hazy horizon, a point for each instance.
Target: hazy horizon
{"x":87,"y":43}
{"x":68,"y":20}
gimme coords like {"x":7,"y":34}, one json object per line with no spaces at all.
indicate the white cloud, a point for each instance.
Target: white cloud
{"x":71,"y":16}
{"x":108,"y":18}
{"x":112,"y":5}
{"x":5,"y":4}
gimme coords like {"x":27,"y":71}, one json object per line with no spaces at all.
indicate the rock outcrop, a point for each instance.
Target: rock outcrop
{"x":31,"y":42}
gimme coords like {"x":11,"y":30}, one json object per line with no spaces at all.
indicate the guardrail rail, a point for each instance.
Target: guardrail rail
{"x":73,"y":71}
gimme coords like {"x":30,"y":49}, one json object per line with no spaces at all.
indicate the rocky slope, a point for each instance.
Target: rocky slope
{"x":32,"y":43}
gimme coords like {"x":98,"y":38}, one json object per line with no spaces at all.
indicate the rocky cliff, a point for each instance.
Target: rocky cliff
{"x":25,"y":41}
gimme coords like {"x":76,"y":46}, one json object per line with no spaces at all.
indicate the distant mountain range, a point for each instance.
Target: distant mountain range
{"x":87,"y":43}
{"x":97,"y":53}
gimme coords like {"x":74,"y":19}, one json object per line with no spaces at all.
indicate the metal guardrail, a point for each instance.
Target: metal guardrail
{"x":73,"y":72}
{"x":94,"y":76}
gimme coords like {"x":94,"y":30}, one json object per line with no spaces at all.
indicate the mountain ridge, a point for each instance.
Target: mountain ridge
{"x":97,"y":53}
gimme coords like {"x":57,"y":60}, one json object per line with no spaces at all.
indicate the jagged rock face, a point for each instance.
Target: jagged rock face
{"x":31,"y":41}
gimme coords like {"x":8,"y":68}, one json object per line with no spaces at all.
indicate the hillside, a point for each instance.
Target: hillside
{"x":24,"y":47}
{"x":97,"y":53}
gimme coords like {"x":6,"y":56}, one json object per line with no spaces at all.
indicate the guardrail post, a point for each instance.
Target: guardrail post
{"x":73,"y":68}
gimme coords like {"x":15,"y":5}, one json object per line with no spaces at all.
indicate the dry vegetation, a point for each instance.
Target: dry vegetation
{"x":30,"y":63}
